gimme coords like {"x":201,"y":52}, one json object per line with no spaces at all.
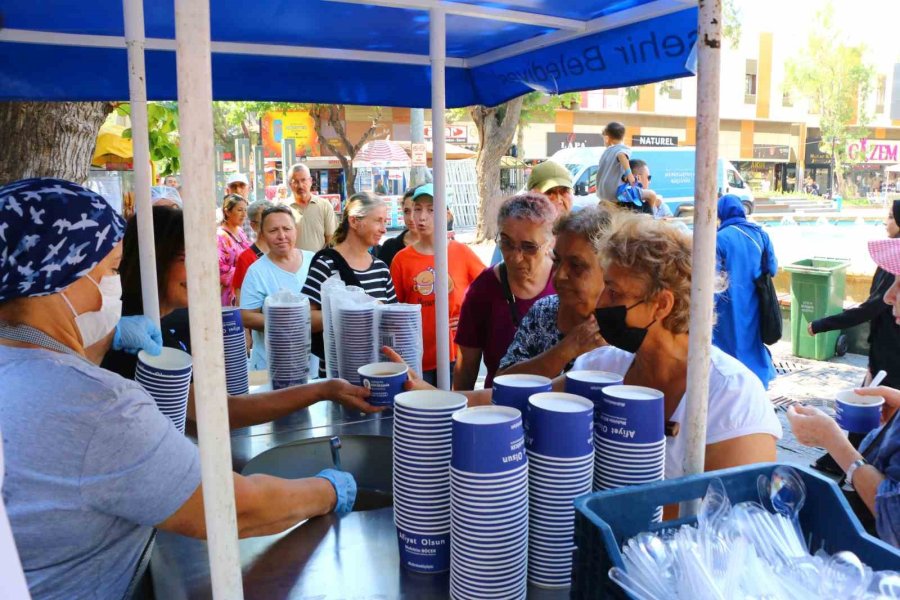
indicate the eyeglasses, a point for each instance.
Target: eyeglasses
{"x":527,"y":248}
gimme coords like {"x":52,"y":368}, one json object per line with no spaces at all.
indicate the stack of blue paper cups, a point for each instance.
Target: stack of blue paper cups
{"x":515,"y":390}
{"x":167,"y":377}
{"x":488,"y":504}
{"x":590,"y":384}
{"x":237,"y":380}
{"x":560,"y":468}
{"x":288,"y":342}
{"x":630,"y":437}
{"x":422,"y":447}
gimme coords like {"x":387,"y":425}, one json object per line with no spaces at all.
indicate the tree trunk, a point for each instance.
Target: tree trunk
{"x":49,"y":139}
{"x":496,"y":128}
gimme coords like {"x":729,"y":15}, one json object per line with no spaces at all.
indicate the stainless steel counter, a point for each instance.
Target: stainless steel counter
{"x":323,"y":558}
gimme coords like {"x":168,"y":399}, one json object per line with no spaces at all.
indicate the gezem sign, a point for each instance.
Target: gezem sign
{"x":872,"y":151}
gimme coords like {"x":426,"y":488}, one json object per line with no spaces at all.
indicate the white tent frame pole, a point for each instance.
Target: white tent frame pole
{"x":133,"y":11}
{"x":192,"y":30}
{"x":438,"y":51}
{"x":703,"y":277}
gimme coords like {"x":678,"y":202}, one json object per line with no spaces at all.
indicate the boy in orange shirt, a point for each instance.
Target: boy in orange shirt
{"x":412,"y":271}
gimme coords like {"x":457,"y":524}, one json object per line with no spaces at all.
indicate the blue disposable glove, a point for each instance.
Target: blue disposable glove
{"x":345,"y":488}
{"x":137,"y":333}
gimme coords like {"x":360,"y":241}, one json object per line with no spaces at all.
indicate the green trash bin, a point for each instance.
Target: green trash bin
{"x":817,"y":290}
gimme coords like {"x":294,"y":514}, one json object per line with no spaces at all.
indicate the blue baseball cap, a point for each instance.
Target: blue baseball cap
{"x":424,"y":190}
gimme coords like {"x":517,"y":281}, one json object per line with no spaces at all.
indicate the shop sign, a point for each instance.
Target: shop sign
{"x":277,"y":125}
{"x":814,"y":153}
{"x":771,"y":152}
{"x":455,"y":134}
{"x":657,"y":141}
{"x":874,"y":152}
{"x":419,"y":155}
{"x":562,"y":141}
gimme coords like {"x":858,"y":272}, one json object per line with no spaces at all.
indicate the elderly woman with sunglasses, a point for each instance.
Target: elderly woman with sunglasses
{"x":503,"y":294}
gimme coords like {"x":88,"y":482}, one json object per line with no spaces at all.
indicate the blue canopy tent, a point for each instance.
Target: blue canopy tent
{"x":415,"y":53}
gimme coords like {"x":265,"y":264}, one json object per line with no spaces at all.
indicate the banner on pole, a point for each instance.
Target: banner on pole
{"x":419,"y":155}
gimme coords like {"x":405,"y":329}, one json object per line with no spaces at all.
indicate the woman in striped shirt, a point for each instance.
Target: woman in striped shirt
{"x":362,"y":226}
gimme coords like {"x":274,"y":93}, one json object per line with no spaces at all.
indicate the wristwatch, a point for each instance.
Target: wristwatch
{"x":852,"y":469}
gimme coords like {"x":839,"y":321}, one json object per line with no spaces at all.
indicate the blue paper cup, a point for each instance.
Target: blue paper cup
{"x":424,"y":553}
{"x":590,"y":384}
{"x":857,"y":414}
{"x":560,"y":425}
{"x":384,"y":380}
{"x":632,"y":414}
{"x":170,"y":362}
{"x":488,"y":439}
{"x":514,"y":390}
{"x":232,"y":324}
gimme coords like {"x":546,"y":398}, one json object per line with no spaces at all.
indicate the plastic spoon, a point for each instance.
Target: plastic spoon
{"x":630,"y":584}
{"x":879,"y":377}
{"x":843,"y":576}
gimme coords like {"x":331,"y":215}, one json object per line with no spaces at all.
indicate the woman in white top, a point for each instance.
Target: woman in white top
{"x":643,"y":315}
{"x":283,"y":268}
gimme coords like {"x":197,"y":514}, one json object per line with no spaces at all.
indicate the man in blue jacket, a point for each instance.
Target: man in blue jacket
{"x":739,"y":250}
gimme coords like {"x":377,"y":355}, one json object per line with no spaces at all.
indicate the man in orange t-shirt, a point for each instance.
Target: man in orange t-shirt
{"x":412,"y":271}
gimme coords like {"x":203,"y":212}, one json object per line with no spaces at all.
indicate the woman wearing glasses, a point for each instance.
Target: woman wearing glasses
{"x":501,"y":295}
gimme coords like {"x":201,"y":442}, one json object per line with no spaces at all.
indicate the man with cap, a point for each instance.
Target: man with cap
{"x":315,"y":218}
{"x":554,"y":181}
{"x":92,"y":465}
{"x":873,"y":471}
{"x":237,"y":184}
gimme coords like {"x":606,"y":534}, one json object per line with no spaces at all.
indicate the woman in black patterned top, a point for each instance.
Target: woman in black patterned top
{"x":559,"y":328}
{"x":362,"y":225}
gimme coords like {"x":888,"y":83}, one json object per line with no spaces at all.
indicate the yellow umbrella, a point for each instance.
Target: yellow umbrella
{"x":112,"y":148}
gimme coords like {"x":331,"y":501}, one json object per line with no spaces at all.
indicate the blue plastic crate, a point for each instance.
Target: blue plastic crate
{"x":605,"y":520}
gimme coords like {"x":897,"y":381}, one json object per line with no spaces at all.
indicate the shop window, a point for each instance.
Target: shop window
{"x":750,"y":82}
{"x":786,"y":99}
{"x":880,"y":90}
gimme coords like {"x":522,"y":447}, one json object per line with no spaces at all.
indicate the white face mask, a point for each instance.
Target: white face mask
{"x":96,"y":325}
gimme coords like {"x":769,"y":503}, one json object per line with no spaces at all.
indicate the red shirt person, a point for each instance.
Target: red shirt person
{"x":412,"y":272}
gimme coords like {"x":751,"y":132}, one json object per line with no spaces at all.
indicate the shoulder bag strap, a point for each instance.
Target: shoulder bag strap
{"x":762,"y":249}
{"x":347,"y":274}
{"x":507,"y":293}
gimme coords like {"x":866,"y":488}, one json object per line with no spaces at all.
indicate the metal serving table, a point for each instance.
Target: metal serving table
{"x":324,"y":558}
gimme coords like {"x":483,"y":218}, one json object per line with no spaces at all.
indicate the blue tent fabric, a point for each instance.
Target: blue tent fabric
{"x":738,"y":255}
{"x":651,"y":50}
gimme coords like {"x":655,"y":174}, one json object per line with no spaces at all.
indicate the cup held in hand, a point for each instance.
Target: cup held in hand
{"x":384,"y":380}
{"x":857,"y":414}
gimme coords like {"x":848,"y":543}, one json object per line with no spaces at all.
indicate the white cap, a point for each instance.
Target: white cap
{"x":237,"y":178}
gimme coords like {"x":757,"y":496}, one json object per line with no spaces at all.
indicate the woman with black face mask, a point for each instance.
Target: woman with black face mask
{"x":643,"y":315}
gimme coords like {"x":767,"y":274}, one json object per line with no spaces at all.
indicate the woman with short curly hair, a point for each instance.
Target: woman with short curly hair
{"x":502,"y":294}
{"x":644,"y":315}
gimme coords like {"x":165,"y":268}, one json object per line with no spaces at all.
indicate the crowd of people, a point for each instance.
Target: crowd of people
{"x":604,"y":288}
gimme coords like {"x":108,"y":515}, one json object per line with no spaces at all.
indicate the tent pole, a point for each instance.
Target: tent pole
{"x":438,"y":51}
{"x":194,"y":106}
{"x":703,"y":276}
{"x":133,"y":11}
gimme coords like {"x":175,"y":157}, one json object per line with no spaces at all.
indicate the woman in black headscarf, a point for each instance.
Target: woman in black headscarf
{"x":884,"y":332}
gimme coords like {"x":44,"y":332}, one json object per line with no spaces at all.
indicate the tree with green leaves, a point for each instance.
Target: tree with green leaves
{"x":162,"y":126}
{"x":497,"y":126}
{"x":835,"y":78}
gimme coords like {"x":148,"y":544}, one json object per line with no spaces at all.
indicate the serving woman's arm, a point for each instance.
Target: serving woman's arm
{"x":252,"y":409}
